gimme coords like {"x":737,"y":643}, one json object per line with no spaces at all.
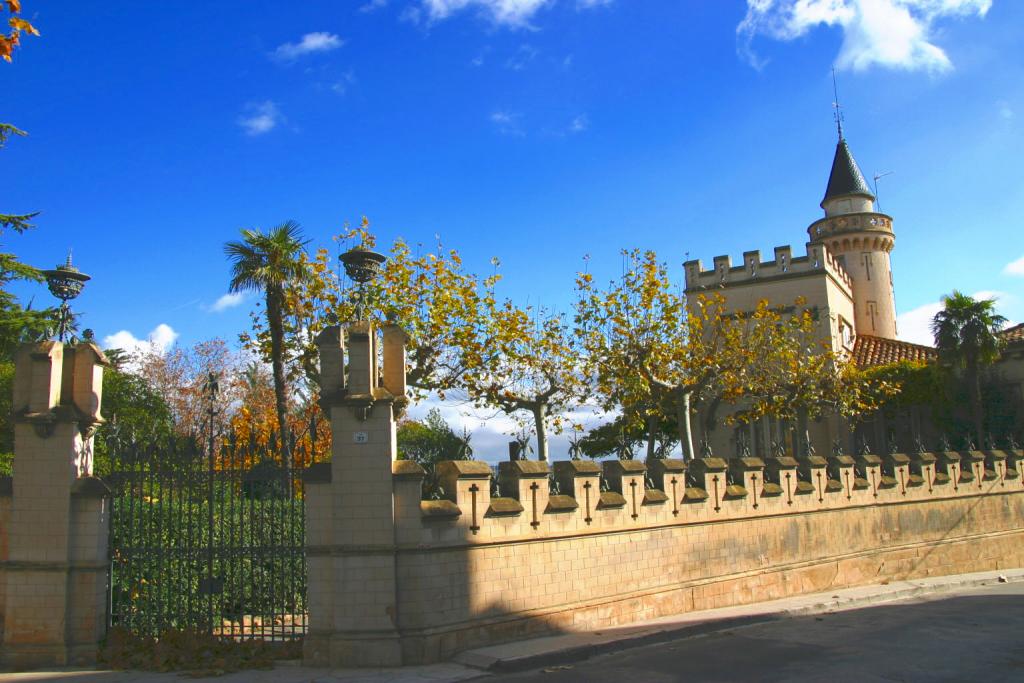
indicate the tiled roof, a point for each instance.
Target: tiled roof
{"x":869,"y":351}
{"x":1013,"y":335}
{"x":845,"y":178}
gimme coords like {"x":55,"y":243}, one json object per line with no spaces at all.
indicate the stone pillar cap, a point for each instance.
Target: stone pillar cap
{"x":464,"y":469}
{"x":708,"y":465}
{"x":783,"y":462}
{"x":407,"y":469}
{"x":746,"y":464}
{"x":101,"y":358}
{"x":578,"y":467}
{"x":625,"y":466}
{"x":329,"y":335}
{"x":971,"y":455}
{"x":526,"y":469}
{"x":667,"y":464}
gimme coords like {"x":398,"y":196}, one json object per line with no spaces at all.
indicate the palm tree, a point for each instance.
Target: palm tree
{"x":267,"y":262}
{"x":967,"y":334}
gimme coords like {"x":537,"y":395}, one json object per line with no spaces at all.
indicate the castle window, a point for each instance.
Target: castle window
{"x":846,"y":333}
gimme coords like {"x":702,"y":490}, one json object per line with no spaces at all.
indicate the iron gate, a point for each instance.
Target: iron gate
{"x":208,"y":538}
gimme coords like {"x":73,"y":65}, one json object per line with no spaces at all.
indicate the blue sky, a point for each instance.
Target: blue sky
{"x":534,"y":130}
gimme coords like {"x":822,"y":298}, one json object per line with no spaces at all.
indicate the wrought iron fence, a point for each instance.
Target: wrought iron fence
{"x":208,"y":538}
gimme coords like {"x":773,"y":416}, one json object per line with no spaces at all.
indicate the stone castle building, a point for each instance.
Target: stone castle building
{"x":845,"y":274}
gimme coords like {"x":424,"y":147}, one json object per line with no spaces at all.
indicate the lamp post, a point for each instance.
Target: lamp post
{"x":65,"y":282}
{"x":361,"y":265}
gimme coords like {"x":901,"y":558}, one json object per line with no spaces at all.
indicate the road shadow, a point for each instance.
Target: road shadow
{"x":975,"y":637}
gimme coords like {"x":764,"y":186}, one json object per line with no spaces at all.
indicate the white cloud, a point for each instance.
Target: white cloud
{"x":579,"y":124}
{"x":915,"y":325}
{"x":373,"y":6}
{"x":341,"y":85}
{"x":507,"y":123}
{"x":319,"y":41}
{"x":513,"y":13}
{"x":1015,"y":267}
{"x":229,"y":300}
{"x":1005,"y":110}
{"x":260,"y":118}
{"x":159,"y":340}
{"x":507,"y":12}
{"x":522,"y":57}
{"x":887,"y":33}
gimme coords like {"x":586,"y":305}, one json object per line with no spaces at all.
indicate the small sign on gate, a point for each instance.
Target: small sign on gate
{"x":360,"y":437}
{"x":211,"y":585}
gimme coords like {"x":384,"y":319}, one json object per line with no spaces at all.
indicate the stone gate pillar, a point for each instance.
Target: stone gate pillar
{"x":57,"y":562}
{"x":350,"y":516}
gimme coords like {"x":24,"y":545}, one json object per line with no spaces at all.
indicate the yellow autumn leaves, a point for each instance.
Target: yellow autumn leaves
{"x":654,"y":352}
{"x":639,"y":346}
{"x":17,"y":27}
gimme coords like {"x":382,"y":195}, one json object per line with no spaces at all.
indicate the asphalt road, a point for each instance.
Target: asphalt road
{"x":970,"y":636}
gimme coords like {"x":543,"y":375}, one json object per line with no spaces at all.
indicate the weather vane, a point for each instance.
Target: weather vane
{"x":835,"y":105}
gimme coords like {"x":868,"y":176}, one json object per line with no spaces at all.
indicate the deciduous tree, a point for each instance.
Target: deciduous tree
{"x":429,"y":293}
{"x":794,"y":374}
{"x":647,"y":350}
{"x":431,"y":440}
{"x":524,"y":360}
{"x":178,"y":376}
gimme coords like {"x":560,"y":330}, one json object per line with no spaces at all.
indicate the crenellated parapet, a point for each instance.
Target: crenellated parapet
{"x":629,"y":494}
{"x":753,"y":270}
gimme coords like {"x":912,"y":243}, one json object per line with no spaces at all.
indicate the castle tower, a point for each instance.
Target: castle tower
{"x":860,"y":239}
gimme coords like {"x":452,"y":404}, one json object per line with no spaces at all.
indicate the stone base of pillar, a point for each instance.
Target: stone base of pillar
{"x":26,"y":656}
{"x":337,"y":650}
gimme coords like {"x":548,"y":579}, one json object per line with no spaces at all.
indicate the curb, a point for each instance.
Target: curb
{"x":489,"y":662}
{"x":581,"y":653}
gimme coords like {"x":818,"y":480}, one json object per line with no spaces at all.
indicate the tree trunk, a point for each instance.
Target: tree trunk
{"x":685,"y":429}
{"x":652,"y":426}
{"x":539,"y":415}
{"x":801,"y":446}
{"x":974,"y":387}
{"x":276,"y":325}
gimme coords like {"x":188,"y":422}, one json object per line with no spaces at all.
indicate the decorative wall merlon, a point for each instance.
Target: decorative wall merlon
{"x":744,"y":488}
{"x":753,"y":269}
{"x":331,"y":348}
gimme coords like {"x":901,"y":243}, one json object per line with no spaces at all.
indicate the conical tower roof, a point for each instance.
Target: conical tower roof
{"x":845,"y":178}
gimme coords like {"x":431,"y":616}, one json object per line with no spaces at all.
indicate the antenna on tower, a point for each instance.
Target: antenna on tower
{"x":835,"y":105}
{"x":878,"y":202}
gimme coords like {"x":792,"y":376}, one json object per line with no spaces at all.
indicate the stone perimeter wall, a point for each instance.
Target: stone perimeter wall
{"x":397,"y":580}
{"x":522,"y":573}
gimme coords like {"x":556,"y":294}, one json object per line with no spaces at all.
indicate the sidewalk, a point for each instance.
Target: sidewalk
{"x":539,"y":652}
